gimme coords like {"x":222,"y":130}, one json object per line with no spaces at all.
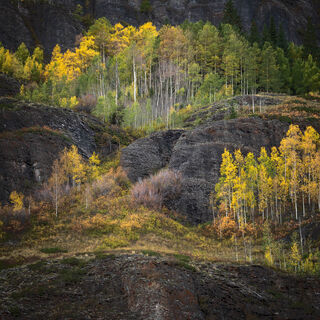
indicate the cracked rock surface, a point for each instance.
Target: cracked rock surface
{"x":132,"y":286}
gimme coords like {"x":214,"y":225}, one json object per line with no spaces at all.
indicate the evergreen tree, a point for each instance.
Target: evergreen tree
{"x":231,"y":16}
{"x":311,"y":76}
{"x":310,"y":41}
{"x":282,"y":39}
{"x":273,"y":32}
{"x":265,"y":35}
{"x":254,"y":35}
{"x":284,"y":71}
{"x":22,"y":53}
{"x":269,"y":75}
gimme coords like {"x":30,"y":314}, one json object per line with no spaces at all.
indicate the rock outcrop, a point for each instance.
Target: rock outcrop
{"x":149,"y":155}
{"x":156,"y":288}
{"x":50,"y":22}
{"x":44,"y":23}
{"x":9,"y":86}
{"x":33,"y":135}
{"x":196,"y":155}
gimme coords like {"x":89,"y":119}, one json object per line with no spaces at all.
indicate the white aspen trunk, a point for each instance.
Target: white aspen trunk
{"x":134,"y":80}
{"x":303,"y":206}
{"x":56,"y":193}
{"x":116,"y":100}
{"x":252,"y":101}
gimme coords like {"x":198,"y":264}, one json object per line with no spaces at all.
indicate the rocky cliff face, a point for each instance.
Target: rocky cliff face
{"x":196,"y":154}
{"x":51,"y":22}
{"x":139,"y":287}
{"x":44,"y":23}
{"x":31,"y":138}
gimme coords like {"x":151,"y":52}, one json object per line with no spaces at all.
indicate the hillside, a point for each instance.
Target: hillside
{"x":157,"y":171}
{"x":135,"y":286}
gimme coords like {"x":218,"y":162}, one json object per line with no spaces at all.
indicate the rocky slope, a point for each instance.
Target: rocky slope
{"x":48,"y":22}
{"x":33,"y":135}
{"x":163,"y":288}
{"x":196,"y":154}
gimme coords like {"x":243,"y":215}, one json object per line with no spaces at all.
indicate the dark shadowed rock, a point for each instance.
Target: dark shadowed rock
{"x":44,"y":23}
{"x":26,"y":158}
{"x":8,"y":86}
{"x":49,"y":22}
{"x":147,"y":155}
{"x":78,"y":127}
{"x":196,"y":155}
{"x":147,"y":288}
{"x":33,"y":135}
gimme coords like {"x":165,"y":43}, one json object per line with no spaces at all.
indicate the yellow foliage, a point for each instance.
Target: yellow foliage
{"x":93,"y":167}
{"x":225,"y":227}
{"x":268,"y":256}
{"x":17,"y":200}
{"x":71,"y":64}
{"x":295,"y":256}
{"x":310,"y":265}
{"x":1,"y":232}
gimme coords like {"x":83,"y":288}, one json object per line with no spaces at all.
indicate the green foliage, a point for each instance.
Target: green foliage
{"x":53,"y":250}
{"x":231,"y":16}
{"x":71,"y":276}
{"x":145,"y":6}
{"x":151,"y":253}
{"x":144,"y":78}
{"x":22,"y":53}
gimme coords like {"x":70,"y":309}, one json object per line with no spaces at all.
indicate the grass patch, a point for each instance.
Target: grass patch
{"x":182,"y":258}
{"x":42,"y":131}
{"x":32,"y":292}
{"x":38,"y":266}
{"x":73,"y":261}
{"x":42,"y":267}
{"x":151,"y":253}
{"x":114,"y":242}
{"x":53,"y":250}
{"x":307,"y":109}
{"x":185,"y":265}
{"x":15,"y":311}
{"x":183,"y":262}
{"x":71,"y":276}
{"x":100,"y":255}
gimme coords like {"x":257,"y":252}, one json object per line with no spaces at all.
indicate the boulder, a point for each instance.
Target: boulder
{"x":147,"y":155}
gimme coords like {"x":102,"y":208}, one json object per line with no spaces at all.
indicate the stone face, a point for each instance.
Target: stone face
{"x":148,"y":155}
{"x":138,"y":287}
{"x":42,"y":23}
{"x":8,"y":86}
{"x":26,"y":159}
{"x":52,"y":22}
{"x":31,"y":138}
{"x":196,"y":155}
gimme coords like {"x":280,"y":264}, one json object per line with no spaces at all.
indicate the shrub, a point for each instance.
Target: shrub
{"x":111,"y":183}
{"x":154,"y":191}
{"x":13,"y":220}
{"x":225,"y":227}
{"x":86,"y":103}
